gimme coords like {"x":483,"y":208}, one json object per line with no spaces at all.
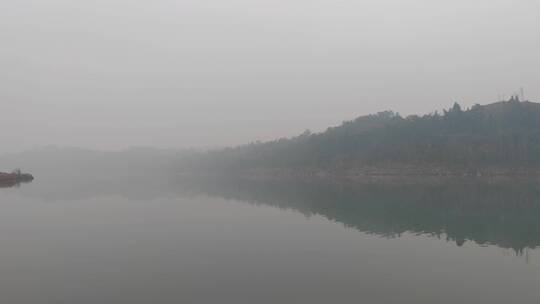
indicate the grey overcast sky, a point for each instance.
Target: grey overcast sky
{"x":110,"y":74}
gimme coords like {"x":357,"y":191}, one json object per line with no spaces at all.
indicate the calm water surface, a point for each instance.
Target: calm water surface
{"x":82,"y":241}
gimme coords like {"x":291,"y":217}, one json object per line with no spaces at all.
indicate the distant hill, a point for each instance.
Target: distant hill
{"x":498,"y":134}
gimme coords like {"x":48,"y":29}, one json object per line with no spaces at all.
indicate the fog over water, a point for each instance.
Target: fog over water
{"x":107,"y":105}
{"x":205,"y":73}
{"x":151,"y":238}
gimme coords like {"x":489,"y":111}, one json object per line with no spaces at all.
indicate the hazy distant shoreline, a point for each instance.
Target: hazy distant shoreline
{"x":408,"y":174}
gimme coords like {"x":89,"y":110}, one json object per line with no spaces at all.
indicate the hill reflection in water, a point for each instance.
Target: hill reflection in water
{"x":505,"y":215}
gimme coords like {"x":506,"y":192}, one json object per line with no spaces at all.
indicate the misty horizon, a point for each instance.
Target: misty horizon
{"x":108,"y":75}
{"x":271,"y":151}
{"x":195,"y":148}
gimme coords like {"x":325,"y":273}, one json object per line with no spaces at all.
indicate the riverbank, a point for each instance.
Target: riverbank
{"x":408,"y":174}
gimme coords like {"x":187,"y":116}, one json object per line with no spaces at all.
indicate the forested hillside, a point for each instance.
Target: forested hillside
{"x":503,"y":133}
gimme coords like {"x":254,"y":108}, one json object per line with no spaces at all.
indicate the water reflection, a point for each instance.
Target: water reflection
{"x":13,"y":183}
{"x":505,"y":215}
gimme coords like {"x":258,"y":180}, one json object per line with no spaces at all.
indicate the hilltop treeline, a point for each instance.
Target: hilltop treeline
{"x":496,"y":134}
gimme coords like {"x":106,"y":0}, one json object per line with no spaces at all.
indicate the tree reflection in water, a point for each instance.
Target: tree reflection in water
{"x":505,"y":215}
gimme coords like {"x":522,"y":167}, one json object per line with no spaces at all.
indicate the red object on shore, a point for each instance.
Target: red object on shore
{"x":15,"y":177}
{"x":7,"y":176}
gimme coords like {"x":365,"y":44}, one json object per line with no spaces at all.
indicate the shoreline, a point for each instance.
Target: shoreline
{"x":388,"y":174}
